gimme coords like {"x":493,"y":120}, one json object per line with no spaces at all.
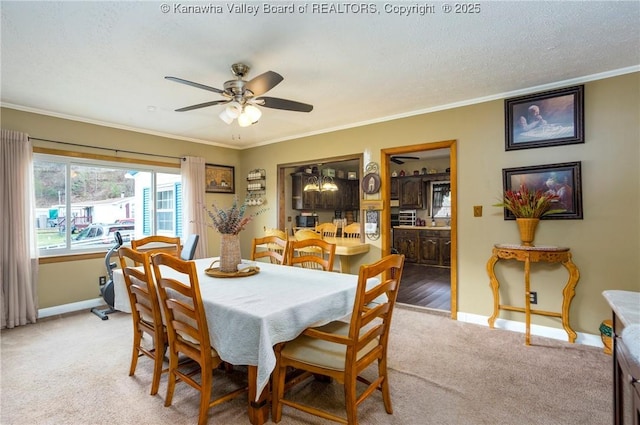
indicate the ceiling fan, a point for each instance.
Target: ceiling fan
{"x":242,"y":97}
{"x":398,"y":159}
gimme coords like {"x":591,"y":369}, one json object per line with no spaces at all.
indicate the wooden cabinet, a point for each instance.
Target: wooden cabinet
{"x":346,"y":198}
{"x":301,"y":200}
{"x":410,"y":192}
{"x":435,"y":247}
{"x":407,"y":243}
{"x":394,"y":188}
{"x":429,"y":247}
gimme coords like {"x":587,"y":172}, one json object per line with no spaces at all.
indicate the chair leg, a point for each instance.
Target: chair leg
{"x":205,"y":396}
{"x":386,"y":395}
{"x":137,"y":340}
{"x":350,"y":397}
{"x":171,"y":381}
{"x":157,"y":369}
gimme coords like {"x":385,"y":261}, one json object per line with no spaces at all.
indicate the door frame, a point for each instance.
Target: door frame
{"x":385,"y":228}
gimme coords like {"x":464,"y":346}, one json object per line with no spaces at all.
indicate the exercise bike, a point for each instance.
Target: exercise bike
{"x":107,"y":290}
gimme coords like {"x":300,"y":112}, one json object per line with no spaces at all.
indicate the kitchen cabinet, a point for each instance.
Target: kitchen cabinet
{"x":424,"y":246}
{"x":435,"y":247}
{"x":301,"y":200}
{"x":406,"y":242}
{"x":394,"y":188}
{"x":347,"y":197}
{"x":410,"y":192}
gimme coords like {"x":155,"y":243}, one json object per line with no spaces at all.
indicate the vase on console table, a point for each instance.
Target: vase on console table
{"x":230,"y":255}
{"x":527,"y":227}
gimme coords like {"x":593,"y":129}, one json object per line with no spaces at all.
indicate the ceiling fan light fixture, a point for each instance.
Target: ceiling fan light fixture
{"x":230,"y":113}
{"x":244,"y":120}
{"x":253,"y":112}
{"x":224,"y":116}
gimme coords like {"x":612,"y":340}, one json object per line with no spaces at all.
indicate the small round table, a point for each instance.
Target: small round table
{"x":528,"y":255}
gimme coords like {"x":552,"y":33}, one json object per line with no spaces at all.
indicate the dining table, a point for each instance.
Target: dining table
{"x":347,"y":248}
{"x":247,"y":316}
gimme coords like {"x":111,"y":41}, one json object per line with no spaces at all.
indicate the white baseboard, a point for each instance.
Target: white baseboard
{"x":70,"y":308}
{"x":538,"y":330}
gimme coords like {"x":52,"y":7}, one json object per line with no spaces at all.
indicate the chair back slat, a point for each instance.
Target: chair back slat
{"x":272,"y":247}
{"x":312,"y":253}
{"x":327,"y":230}
{"x":351,"y":231}
{"x":156,"y":243}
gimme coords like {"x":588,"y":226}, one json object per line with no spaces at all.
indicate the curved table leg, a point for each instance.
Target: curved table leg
{"x":568,"y":293}
{"x":493,"y":281}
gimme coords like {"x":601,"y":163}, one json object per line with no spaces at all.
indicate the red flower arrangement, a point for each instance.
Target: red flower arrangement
{"x":526,"y":203}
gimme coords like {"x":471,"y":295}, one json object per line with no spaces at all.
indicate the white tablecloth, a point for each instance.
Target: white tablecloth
{"x":248,"y":316}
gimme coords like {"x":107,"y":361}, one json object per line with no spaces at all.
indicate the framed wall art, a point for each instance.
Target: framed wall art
{"x":563,"y":180}
{"x":219,"y":178}
{"x":544,"y":119}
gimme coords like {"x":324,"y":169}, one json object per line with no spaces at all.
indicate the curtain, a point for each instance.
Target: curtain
{"x":193,"y":190}
{"x":18,"y":247}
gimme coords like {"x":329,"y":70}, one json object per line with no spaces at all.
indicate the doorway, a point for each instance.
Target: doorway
{"x":386,"y":228}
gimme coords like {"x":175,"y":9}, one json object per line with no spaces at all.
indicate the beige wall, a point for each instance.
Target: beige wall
{"x":605,"y":244}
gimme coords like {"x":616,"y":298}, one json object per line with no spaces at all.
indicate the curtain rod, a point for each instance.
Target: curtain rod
{"x":107,"y":149}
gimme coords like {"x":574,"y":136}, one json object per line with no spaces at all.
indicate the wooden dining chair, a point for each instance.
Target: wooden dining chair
{"x":327,"y":230}
{"x":276,"y":232}
{"x":188,"y":331}
{"x":312,"y":254}
{"x":351,"y":231}
{"x":271,"y":247}
{"x":157,"y":243}
{"x":145,"y":311}
{"x":303,"y":234}
{"x":343,"y":350}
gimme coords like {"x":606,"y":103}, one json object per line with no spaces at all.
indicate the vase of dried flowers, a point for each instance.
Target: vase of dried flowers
{"x":528,"y":206}
{"x":229,"y":223}
{"x":230,"y":255}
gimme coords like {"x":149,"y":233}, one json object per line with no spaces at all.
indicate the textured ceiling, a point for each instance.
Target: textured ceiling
{"x":105,"y":62}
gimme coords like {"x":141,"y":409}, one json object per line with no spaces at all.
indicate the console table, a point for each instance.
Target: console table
{"x":528,"y":255}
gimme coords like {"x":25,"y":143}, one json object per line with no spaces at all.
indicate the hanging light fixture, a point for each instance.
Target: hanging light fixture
{"x":320,"y":183}
{"x":246,"y":115}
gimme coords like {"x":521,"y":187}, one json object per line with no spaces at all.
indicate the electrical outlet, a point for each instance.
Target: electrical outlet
{"x":477,"y":210}
{"x":533,"y":297}
{"x":102,"y":280}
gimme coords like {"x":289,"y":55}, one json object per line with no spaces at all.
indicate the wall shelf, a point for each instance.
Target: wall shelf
{"x":256,"y":187}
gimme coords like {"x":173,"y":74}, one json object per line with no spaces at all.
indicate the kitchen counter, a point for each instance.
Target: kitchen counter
{"x":423,"y":227}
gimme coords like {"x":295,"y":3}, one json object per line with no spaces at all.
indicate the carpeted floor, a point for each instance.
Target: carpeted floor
{"x":74,"y":370}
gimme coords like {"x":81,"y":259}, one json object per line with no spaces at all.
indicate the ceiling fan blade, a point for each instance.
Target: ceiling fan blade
{"x":289,"y":105}
{"x":197,"y":85}
{"x":202,"y":105}
{"x":397,"y":161}
{"x":264,"y":82}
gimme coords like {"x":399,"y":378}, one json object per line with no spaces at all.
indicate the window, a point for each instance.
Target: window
{"x":103,"y":197}
{"x":166,"y":210}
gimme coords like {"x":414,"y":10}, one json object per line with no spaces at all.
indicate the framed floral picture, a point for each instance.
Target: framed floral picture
{"x":563,"y":180}
{"x":219,"y":178}
{"x":550,"y":118}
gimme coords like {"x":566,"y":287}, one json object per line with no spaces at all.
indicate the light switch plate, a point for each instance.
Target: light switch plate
{"x":477,"y":210}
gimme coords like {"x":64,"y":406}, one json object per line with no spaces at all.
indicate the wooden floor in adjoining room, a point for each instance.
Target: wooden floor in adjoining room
{"x":425,"y":286}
